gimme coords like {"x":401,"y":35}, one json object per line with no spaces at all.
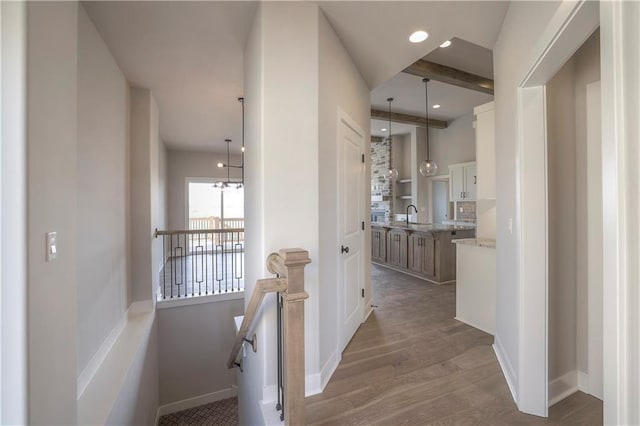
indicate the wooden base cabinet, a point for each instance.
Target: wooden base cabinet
{"x":397,"y":248}
{"x":424,"y":254}
{"x":379,"y":245}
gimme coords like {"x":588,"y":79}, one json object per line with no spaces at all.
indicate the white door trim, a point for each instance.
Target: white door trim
{"x":619,"y":41}
{"x":570,"y":26}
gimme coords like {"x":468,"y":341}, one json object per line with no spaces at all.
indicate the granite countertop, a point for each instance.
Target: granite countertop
{"x":479,"y":242}
{"x":421,"y":227}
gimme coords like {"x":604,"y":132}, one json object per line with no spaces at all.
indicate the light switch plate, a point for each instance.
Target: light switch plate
{"x":51,"y":246}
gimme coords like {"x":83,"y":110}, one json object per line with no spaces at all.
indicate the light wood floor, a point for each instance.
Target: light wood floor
{"x":412,"y":363}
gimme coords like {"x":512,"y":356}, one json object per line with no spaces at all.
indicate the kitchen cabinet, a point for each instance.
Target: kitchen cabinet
{"x":397,"y":248}
{"x":422,"y":254}
{"x":378,"y":244}
{"x":486,"y":151}
{"x":421,"y":251}
{"x":463,"y":182}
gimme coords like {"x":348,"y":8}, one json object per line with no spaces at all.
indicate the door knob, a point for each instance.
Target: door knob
{"x":344,"y":249}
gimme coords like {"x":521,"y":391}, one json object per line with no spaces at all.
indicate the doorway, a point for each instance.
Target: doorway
{"x":533,"y":235}
{"x":440,"y":200}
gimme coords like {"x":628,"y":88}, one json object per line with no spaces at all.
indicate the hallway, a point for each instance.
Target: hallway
{"x":411,"y":362}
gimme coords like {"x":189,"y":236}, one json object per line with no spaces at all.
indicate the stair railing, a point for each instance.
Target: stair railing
{"x":288,"y":265}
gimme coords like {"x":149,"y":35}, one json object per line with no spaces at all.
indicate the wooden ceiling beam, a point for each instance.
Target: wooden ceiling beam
{"x":451,"y":76}
{"x":414,"y":120}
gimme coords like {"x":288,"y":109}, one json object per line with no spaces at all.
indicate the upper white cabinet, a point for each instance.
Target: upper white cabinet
{"x":486,"y":151}
{"x":463,"y":181}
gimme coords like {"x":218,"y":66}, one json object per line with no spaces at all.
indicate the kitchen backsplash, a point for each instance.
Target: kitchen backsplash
{"x":466,"y":210}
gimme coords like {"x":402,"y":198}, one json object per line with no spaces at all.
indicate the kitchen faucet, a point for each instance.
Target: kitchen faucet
{"x":414,"y":208}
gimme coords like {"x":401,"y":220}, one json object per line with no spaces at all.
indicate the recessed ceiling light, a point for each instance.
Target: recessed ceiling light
{"x":383,"y":130}
{"x":436,"y":106}
{"x":418,"y":36}
{"x":446,"y":44}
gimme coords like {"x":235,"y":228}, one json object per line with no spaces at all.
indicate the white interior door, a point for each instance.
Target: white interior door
{"x":350,"y":192}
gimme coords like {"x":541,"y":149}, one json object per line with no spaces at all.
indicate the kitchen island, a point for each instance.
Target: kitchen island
{"x":423,"y":251}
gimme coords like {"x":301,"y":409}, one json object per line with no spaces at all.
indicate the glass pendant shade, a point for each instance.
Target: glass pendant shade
{"x":392,"y":174}
{"x":428,"y":168}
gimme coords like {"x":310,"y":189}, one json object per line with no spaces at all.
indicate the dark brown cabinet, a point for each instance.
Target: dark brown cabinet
{"x":379,"y":245}
{"x":397,"y":248}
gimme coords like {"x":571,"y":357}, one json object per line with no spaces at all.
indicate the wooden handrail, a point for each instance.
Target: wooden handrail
{"x":289,"y":265}
{"x":198,"y":231}
{"x":270,"y":285}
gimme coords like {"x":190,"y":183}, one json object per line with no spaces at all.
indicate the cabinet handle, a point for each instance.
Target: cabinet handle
{"x":461,"y":196}
{"x":475,"y":180}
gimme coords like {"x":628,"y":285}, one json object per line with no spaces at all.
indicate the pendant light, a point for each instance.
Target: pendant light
{"x":428,"y":167}
{"x":229,"y":183}
{"x":392,"y":173}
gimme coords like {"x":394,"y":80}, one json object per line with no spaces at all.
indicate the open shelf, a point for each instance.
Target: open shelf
{"x":404,"y":180}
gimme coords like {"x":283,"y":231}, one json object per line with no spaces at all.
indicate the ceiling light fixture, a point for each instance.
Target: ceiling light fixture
{"x":436,"y":106}
{"x":428,"y":167}
{"x":383,"y":130}
{"x":418,"y":36}
{"x":229,"y":183}
{"x":392,"y":174}
{"x":446,"y":44}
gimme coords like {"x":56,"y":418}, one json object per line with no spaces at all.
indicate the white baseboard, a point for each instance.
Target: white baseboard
{"x":507,"y":369}
{"x":485,"y":329}
{"x":563,"y":387}
{"x":312,"y":384}
{"x":583,"y":382}
{"x":196,"y":401}
{"x":329,"y":368}
{"x":270,"y":417}
{"x":368,"y":305}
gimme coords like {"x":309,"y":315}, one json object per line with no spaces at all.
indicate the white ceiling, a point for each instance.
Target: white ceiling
{"x":376,"y":32}
{"x":190,"y":54}
{"x":408,"y":90}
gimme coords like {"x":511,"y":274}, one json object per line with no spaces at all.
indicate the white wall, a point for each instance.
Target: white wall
{"x":193,"y":344}
{"x":291,"y":178}
{"x":561,"y":152}
{"x":13,"y":225}
{"x":137,"y":401}
{"x":102,"y":192}
{"x":147,"y":194}
{"x":455,"y":144}
{"x":522,"y":26}
{"x":52,"y":168}
{"x":193,"y":164}
{"x":587,"y":70}
{"x":281,"y":193}
{"x":340,"y":86}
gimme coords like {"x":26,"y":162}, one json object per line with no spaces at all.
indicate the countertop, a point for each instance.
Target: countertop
{"x":479,"y":242}
{"x":421,"y":227}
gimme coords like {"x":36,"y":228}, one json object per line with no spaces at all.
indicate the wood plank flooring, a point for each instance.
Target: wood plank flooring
{"x":412,"y":363}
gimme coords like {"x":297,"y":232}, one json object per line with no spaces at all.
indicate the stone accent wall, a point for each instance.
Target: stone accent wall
{"x":380,"y":186}
{"x":468,"y":210}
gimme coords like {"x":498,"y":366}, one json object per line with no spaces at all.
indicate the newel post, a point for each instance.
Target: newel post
{"x":294,"y":261}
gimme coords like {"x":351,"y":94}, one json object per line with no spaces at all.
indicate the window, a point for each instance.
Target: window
{"x":214,"y":208}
